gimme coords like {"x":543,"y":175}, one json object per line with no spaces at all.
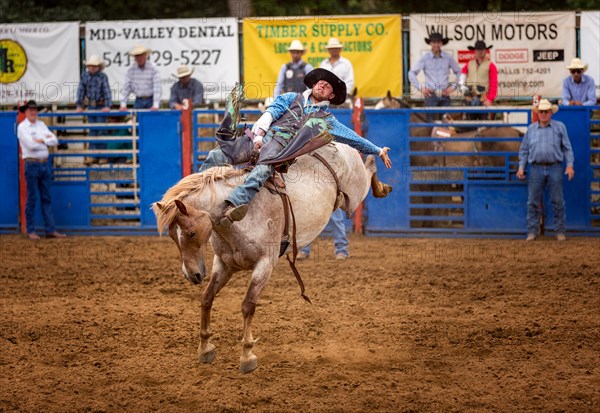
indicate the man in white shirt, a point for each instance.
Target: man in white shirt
{"x":35,"y":138}
{"x":143,"y":80}
{"x":338,"y":64}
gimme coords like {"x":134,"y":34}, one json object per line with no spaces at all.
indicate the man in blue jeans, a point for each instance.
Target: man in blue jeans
{"x":340,"y":240}
{"x":35,"y":138}
{"x":544,"y":147}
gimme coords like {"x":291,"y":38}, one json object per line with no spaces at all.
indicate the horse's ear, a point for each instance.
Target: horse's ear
{"x":159,"y":206}
{"x":389,"y":94}
{"x":181,"y":207}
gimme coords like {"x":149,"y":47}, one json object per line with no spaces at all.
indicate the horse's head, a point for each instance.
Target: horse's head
{"x":388,"y":102}
{"x":190,"y":229}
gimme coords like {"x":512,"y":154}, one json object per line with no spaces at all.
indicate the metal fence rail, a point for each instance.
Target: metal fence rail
{"x":462,"y":185}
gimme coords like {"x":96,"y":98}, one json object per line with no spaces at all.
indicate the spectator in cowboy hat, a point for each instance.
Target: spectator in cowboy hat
{"x":34,"y":139}
{"x":339,"y":65}
{"x":143,"y":80}
{"x":544,"y":147}
{"x":186,"y":89}
{"x":479,"y":77}
{"x":291,"y":74}
{"x":95,"y":88}
{"x":578,"y":89}
{"x":436,"y":65}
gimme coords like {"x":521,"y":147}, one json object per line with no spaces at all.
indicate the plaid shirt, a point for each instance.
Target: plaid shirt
{"x":142,"y":82}
{"x":95,"y":87}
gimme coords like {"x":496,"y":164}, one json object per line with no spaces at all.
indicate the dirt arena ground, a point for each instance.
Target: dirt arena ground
{"x":108,"y":324}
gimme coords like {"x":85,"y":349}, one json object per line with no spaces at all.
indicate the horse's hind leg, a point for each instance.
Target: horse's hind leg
{"x":260,"y":277}
{"x":220,"y":276}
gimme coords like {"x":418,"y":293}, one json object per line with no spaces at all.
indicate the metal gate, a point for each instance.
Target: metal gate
{"x":107,"y":170}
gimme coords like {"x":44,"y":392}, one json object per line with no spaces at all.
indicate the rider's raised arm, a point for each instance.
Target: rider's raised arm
{"x":344,"y":134}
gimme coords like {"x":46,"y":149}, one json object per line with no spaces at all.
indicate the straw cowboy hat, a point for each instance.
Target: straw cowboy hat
{"x":576,"y":63}
{"x":94,"y":60}
{"x":546,"y":105}
{"x":138,"y":49}
{"x":29,"y":105}
{"x":480,"y":45}
{"x":338,"y":85}
{"x":334,"y":43}
{"x":183,"y":71}
{"x":436,"y":37}
{"x":296,"y":45}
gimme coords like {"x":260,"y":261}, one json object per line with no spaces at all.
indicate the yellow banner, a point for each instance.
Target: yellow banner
{"x":372,"y":43}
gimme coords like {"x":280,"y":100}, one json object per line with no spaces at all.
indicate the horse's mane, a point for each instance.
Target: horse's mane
{"x":196,"y":183}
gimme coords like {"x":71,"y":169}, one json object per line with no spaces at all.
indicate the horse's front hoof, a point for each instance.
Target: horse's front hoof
{"x":208,"y":354}
{"x":246,"y":366}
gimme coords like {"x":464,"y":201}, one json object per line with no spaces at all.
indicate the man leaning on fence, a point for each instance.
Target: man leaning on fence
{"x":34,"y":139}
{"x":436,"y":65}
{"x":143,"y":80}
{"x":291,"y":74}
{"x":544,"y":147}
{"x":187,"y":92}
{"x":94,"y":89}
{"x":578,"y":88}
{"x":479,"y":79}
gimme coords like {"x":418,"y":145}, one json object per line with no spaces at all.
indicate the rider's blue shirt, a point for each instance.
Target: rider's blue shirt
{"x":340,"y":132}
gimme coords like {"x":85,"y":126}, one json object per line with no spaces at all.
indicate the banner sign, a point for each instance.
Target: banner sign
{"x":373,"y":44}
{"x":590,"y":41}
{"x":530,"y":49}
{"x":210,"y":46}
{"x":39,"y":61}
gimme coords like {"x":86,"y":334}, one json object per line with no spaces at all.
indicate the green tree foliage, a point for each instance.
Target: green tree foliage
{"x":87,"y":10}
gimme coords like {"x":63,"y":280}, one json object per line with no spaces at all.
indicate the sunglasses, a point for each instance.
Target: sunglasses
{"x":576,"y":71}
{"x":543,"y":111}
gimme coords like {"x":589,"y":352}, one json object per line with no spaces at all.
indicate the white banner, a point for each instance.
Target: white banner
{"x":210,"y":46}
{"x":530,"y":49}
{"x":39,"y":61}
{"x":590,"y":44}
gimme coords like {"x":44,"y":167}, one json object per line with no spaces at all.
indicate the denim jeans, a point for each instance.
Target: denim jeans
{"x":541,"y":177}
{"x":340,"y":240}
{"x":215,"y":157}
{"x":96,"y":132}
{"x":37,"y":177}
{"x":143,"y":103}
{"x":245,"y":192}
{"x":435,"y":101}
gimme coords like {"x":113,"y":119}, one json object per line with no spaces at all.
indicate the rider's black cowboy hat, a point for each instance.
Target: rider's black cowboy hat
{"x":480,"y":45}
{"x":436,"y":37}
{"x":30,"y":104}
{"x":338,"y":85}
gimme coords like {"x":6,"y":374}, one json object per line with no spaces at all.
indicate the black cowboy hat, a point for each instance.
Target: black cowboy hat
{"x":437,"y":37}
{"x":30,"y":104}
{"x":338,"y":85}
{"x":480,"y":45}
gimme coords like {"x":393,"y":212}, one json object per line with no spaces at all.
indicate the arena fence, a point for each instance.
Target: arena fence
{"x":111,"y":166}
{"x":107,"y":170}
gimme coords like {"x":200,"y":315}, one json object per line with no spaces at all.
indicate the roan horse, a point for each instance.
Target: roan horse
{"x":191,"y":209}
